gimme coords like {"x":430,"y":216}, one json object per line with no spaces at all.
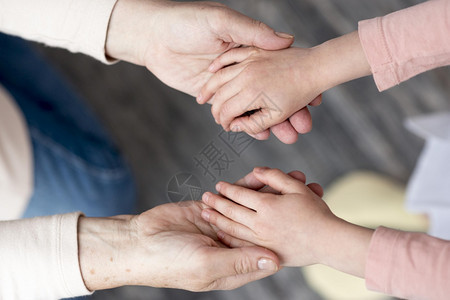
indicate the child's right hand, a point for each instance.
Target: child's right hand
{"x":296,"y":224}
{"x":289,"y":224}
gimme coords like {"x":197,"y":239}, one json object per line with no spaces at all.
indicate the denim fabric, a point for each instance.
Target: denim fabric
{"x":77,"y":167}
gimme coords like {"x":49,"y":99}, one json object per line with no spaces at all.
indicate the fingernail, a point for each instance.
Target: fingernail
{"x":206,"y":215}
{"x":236,"y":128}
{"x":211,"y":67}
{"x":205,"y":197}
{"x":219,"y":186}
{"x":284,"y":35}
{"x":199,"y":98}
{"x":267,"y":265}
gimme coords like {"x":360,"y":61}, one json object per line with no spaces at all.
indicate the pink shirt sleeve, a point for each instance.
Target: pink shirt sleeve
{"x":407,"y":42}
{"x":408,"y":265}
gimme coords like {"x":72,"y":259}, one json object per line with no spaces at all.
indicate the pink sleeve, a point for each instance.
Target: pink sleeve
{"x":408,"y":265}
{"x":407,"y":42}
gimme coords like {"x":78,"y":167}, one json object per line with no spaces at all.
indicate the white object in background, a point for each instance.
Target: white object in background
{"x":429,"y":187}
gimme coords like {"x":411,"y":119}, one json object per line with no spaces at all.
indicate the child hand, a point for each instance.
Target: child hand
{"x":292,"y":224}
{"x":273,"y":85}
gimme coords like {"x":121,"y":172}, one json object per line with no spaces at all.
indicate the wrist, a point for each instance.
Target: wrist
{"x":345,"y":247}
{"x":102,"y":243}
{"x":130,"y":29}
{"x":341,"y":60}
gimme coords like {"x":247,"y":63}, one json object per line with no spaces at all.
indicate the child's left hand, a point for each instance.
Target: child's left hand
{"x":274,"y":85}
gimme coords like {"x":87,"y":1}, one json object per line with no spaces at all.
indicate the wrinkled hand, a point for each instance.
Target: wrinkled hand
{"x":177,"y":42}
{"x":187,"y":254}
{"x":169,"y":246}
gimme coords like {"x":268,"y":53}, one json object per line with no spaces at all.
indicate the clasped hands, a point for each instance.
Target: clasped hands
{"x":187,"y":45}
{"x":216,"y":244}
{"x":255,"y":83}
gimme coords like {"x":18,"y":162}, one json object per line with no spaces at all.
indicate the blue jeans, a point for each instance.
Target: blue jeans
{"x":77,"y":167}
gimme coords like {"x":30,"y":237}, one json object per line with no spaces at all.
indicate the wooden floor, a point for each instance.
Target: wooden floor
{"x":161,"y":131}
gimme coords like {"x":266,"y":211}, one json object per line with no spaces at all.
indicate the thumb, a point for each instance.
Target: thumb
{"x":239,"y":266}
{"x":243,"y":30}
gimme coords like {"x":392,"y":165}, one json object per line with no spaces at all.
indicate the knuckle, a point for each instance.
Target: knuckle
{"x":228,"y":211}
{"x":235,"y":193}
{"x":257,"y":123}
{"x":247,"y":127}
{"x":254,"y":51}
{"x":243,"y":265}
{"x":260,"y":25}
{"x":231,"y":229}
{"x":220,"y":75}
{"x":219,"y":95}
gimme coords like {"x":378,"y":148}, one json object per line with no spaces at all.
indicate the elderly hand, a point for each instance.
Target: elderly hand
{"x":168,"y":246}
{"x":177,"y":42}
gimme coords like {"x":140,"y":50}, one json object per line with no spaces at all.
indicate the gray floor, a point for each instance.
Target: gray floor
{"x":357,"y":128}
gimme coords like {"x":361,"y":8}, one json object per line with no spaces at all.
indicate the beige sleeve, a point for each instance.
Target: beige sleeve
{"x":39,"y":258}
{"x":76,"y":25}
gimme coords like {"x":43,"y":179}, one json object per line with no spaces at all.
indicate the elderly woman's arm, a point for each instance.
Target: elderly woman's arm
{"x":70,"y":255}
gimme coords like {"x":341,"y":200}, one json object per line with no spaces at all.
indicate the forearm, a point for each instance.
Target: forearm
{"x":103,"y":245}
{"x":340,"y":60}
{"x":130,"y":29}
{"x":79,"y":26}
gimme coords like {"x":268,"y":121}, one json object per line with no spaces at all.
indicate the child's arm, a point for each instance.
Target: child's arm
{"x":301,"y":229}
{"x":297,"y":224}
{"x":276,"y":84}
